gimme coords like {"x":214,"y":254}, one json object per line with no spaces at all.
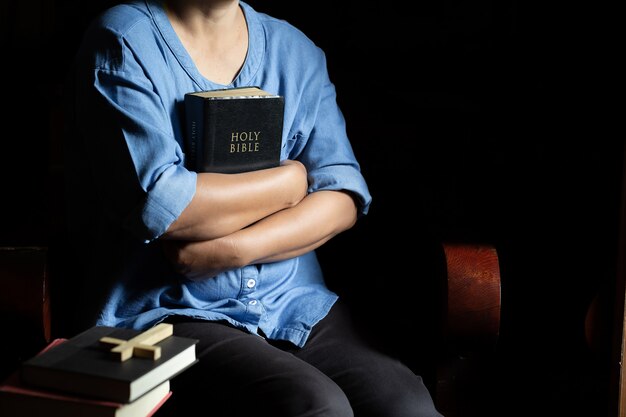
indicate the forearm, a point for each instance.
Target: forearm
{"x":283,"y":235}
{"x":298,"y":230}
{"x":226,"y":203}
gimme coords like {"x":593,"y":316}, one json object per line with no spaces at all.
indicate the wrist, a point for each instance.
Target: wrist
{"x":245,"y":246}
{"x":233,"y":250}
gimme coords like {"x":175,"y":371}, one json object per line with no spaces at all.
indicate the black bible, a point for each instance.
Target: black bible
{"x":233,"y":130}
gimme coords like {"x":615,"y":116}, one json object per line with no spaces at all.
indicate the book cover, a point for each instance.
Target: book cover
{"x":233,"y":130}
{"x":84,"y":366}
{"x":18,"y":399}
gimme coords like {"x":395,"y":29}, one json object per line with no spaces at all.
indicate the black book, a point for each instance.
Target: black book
{"x":82,"y":365}
{"x":233,"y":130}
{"x":20,"y":400}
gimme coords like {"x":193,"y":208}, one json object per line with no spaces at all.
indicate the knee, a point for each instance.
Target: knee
{"x":313,"y":397}
{"x":409,"y":400}
{"x":411,"y":405}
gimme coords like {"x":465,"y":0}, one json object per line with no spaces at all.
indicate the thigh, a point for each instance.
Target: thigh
{"x":375,"y":384}
{"x":241,"y":374}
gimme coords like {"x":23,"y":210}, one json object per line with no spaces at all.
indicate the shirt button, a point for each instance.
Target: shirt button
{"x":252,"y":302}
{"x":251,"y":283}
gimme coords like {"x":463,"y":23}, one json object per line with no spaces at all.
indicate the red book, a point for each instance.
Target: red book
{"x":19,"y":399}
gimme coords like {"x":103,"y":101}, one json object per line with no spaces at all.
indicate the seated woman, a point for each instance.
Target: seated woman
{"x":228,"y":258}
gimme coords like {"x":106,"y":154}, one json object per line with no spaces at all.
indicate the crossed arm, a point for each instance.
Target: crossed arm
{"x":261,"y":216}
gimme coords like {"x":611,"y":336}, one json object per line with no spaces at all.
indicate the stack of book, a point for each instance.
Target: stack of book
{"x":84,"y":376}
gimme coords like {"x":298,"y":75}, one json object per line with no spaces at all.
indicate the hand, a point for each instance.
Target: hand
{"x":203,"y":259}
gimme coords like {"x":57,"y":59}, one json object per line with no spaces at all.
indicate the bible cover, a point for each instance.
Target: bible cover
{"x":233,"y":130}
{"x":83,"y":366}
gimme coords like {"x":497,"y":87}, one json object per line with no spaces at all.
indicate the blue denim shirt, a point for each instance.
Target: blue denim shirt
{"x":127,"y":180}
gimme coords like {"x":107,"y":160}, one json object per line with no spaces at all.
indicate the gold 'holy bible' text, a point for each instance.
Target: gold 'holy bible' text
{"x":244,"y":142}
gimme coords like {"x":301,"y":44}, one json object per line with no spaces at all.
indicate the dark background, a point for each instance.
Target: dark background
{"x":476,"y":121}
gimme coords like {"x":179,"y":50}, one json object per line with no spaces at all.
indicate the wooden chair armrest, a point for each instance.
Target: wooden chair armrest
{"x":24,"y":287}
{"x":24,"y":303}
{"x":471,"y":318}
{"x":471,"y":328}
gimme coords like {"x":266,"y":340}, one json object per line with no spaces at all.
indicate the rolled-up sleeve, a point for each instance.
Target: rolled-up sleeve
{"x":328,"y":154}
{"x":167,"y":199}
{"x":133,"y":154}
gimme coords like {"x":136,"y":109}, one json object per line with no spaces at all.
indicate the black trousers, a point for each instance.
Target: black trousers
{"x":334,"y":374}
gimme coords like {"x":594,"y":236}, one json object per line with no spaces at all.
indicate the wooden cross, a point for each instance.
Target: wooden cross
{"x":141,"y":345}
